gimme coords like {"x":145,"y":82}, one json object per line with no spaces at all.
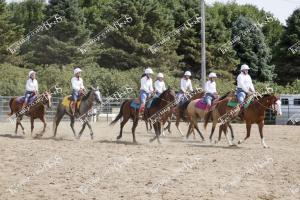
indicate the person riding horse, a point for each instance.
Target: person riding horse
{"x":159,"y":84}
{"x":185,"y":86}
{"x":146,"y":89}
{"x":78,"y":89}
{"x":244,"y":85}
{"x":31,"y":88}
{"x":210,"y":90}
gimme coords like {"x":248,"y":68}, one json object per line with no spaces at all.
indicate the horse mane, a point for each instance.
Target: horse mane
{"x":85,"y":97}
{"x":164,"y":92}
{"x":224,"y":96}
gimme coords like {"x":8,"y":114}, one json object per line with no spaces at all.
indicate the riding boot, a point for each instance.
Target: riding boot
{"x":73,"y":108}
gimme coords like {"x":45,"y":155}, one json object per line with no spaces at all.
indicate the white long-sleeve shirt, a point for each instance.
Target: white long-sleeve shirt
{"x":77,"y":83}
{"x":32,"y":85}
{"x":244,"y":82}
{"x":146,"y":84}
{"x":159,"y":86}
{"x":210,"y":87}
{"x":186,"y":84}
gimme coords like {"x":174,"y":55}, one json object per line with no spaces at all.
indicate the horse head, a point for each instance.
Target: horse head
{"x":168,"y":95}
{"x":273,"y":102}
{"x":47,"y":99}
{"x":97,"y":95}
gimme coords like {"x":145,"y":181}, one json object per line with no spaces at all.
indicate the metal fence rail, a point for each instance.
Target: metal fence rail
{"x":111,"y":109}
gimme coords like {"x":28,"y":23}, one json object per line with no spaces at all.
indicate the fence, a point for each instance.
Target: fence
{"x":106,"y":111}
{"x":110,"y":110}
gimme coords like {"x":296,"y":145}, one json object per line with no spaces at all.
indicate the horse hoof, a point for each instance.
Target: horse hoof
{"x":135,"y":142}
{"x":119,"y":137}
{"x":239,"y":142}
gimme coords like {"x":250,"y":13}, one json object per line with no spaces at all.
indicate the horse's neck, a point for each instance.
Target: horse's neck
{"x":86,"y":103}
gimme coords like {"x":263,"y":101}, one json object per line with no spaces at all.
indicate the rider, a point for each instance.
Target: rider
{"x":77,"y":89}
{"x":159,"y":84}
{"x":185,"y":86}
{"x":210,"y":90}
{"x":31,"y":87}
{"x":244,"y":84}
{"x":146,"y":88}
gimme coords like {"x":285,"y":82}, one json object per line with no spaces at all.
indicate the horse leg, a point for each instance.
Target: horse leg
{"x":81,"y":131}
{"x":260,"y":127}
{"x":56,"y":123}
{"x":42,"y":118}
{"x":159,"y":131}
{"x":17,"y":124}
{"x":212,"y":131}
{"x":135,"y":123}
{"x":23,"y":130}
{"x":72,"y":125}
{"x":177,"y":123}
{"x":231,"y":131}
{"x":91,"y":131}
{"x":32,"y":125}
{"x":168,"y":127}
{"x":124,"y":121}
{"x":226,"y":135}
{"x":248,"y":126}
{"x":197,"y":128}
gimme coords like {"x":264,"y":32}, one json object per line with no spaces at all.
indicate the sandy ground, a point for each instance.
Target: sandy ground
{"x":65,"y":168}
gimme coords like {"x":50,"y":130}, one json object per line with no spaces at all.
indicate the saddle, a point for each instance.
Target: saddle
{"x":66,"y":102}
{"x":136,"y":103}
{"x":234,"y":102}
{"x":21,"y":99}
{"x":201,"y":104}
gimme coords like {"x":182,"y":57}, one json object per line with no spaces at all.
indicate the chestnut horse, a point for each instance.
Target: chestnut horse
{"x":34,"y":110}
{"x":255,"y":113}
{"x":127,"y":112}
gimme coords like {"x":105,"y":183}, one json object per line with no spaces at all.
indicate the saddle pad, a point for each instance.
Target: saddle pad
{"x":22,"y":99}
{"x":135,"y":105}
{"x":67,"y":101}
{"x":235,"y":103}
{"x":201,"y":104}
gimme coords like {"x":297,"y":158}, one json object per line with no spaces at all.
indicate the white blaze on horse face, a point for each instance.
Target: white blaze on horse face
{"x":98,"y":96}
{"x":278,"y":107}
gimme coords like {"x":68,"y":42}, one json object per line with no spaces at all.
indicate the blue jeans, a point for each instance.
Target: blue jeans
{"x":143,"y":95}
{"x":180,"y":98}
{"x":27,"y":95}
{"x":209,"y":98}
{"x":241,"y":95}
{"x":75,"y":95}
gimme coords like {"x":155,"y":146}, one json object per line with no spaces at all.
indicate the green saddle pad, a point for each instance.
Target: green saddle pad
{"x":235,"y":103}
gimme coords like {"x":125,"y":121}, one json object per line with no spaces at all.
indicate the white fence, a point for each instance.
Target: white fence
{"x":107,"y":111}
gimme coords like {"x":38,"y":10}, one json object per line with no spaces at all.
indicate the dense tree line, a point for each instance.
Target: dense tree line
{"x":235,"y":34}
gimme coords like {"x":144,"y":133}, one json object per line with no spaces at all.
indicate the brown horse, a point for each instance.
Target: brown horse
{"x":127,"y":112}
{"x":255,"y":113}
{"x":194,"y":114}
{"x":35,"y":110}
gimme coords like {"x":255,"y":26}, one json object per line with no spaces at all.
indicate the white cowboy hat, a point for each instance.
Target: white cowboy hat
{"x":188,"y":73}
{"x":244,"y":67}
{"x":212,"y":75}
{"x":31,"y":72}
{"x":160,"y":75}
{"x":77,"y":70}
{"x":148,"y":71}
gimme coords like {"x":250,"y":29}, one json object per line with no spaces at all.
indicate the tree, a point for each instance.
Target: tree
{"x":252,"y":49}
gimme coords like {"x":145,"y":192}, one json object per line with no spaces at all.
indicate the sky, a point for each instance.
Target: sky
{"x":281,"y":9}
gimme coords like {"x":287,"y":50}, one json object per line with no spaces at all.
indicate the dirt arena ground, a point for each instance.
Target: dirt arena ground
{"x":66,"y":168}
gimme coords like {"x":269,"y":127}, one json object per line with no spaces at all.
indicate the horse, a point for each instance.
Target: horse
{"x":127,"y":112}
{"x":254,"y":113}
{"x":180,"y":112}
{"x":195,"y":113}
{"x":84,"y":109}
{"x":34,"y":110}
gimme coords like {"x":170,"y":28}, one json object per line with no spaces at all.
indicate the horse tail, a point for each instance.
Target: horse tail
{"x":119,"y":115}
{"x":207,"y":117}
{"x":10,"y":106}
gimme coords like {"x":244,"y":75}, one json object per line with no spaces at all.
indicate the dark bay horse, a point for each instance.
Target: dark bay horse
{"x":83,"y":111}
{"x":255,"y":113}
{"x":127,"y":112}
{"x":34,"y":110}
